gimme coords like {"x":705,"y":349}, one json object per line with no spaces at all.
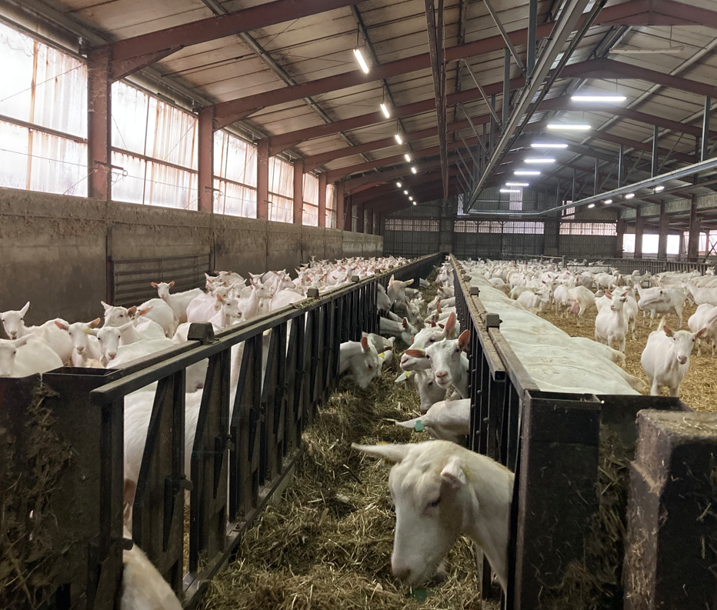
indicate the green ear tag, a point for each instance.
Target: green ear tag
{"x":419,"y":427}
{"x":420,"y":595}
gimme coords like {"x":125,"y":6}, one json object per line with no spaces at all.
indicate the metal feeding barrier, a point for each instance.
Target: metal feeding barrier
{"x":551,"y":441}
{"x":628,"y":265}
{"x":243,"y":450}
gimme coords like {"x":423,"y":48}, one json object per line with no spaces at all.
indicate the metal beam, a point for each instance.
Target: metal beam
{"x":506,"y":87}
{"x":561,"y":32}
{"x":140,"y":49}
{"x":531,"y":43}
{"x":481,"y":91}
{"x":509,"y":45}
{"x":654,"y":162}
{"x":435,"y":44}
{"x":706,"y":129}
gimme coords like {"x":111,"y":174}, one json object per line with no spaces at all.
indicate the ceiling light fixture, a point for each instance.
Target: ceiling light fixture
{"x":405,"y":192}
{"x":659,"y":189}
{"x":540,"y":160}
{"x":398,"y":184}
{"x":410,"y":198}
{"x":630,"y":196}
{"x":361,"y":61}
{"x":527,"y":172}
{"x":399,"y":139}
{"x":414,"y":170}
{"x":606,"y":99}
{"x":569,"y":126}
{"x":414,"y":203}
{"x":548,"y":145}
{"x":668,"y":50}
{"x":608,"y":201}
{"x":517,"y":184}
{"x":592,"y":205}
{"x":407,"y":157}
{"x":510,"y":190}
{"x":385,"y":110}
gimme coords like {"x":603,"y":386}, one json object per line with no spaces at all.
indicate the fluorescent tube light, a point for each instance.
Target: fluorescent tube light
{"x":569,"y":126}
{"x":659,"y":189}
{"x":405,"y":192}
{"x":540,"y":160}
{"x":607,"y":99}
{"x":385,"y":111}
{"x":398,"y":184}
{"x":630,"y":196}
{"x":510,"y":190}
{"x":608,"y":201}
{"x":517,"y":184}
{"x":548,"y":145}
{"x":407,"y":157}
{"x":414,"y":170}
{"x":361,"y":60}
{"x":592,"y":205}
{"x":527,"y":172}
{"x":399,"y":139}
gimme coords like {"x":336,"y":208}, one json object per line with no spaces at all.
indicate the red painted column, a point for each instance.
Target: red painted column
{"x":340,"y":204}
{"x":99,"y":131}
{"x":205,"y":161}
{"x":359,"y":220}
{"x":639,"y":229}
{"x":368,"y":221}
{"x":322,"y":199}
{"x":348,"y":215}
{"x":299,"y":192}
{"x":262,"y":180}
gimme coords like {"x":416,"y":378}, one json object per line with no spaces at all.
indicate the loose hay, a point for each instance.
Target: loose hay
{"x":327,"y":545}
{"x":699,"y":388}
{"x":27,"y":523}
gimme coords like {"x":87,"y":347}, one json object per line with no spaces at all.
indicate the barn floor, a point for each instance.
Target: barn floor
{"x":699,"y":388}
{"x":327,"y":544}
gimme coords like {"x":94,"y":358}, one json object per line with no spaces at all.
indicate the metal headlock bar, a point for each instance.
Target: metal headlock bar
{"x":550,"y":440}
{"x":237,"y":463}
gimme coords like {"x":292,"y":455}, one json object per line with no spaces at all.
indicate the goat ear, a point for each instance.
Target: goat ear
{"x":154,"y":284}
{"x":90,"y":331}
{"x":454,"y":474}
{"x":364,"y":345}
{"x":391,"y":453}
{"x":415,"y":353}
{"x":62,"y":325}
{"x":668,"y":332}
{"x":701,"y":332}
{"x":22,"y":340}
{"x":105,"y":305}
{"x":132,"y":310}
{"x":23,"y":311}
{"x":464,"y":339}
{"x":405,"y":323}
{"x":145,"y":311}
{"x":95,"y":323}
{"x":450,"y":324}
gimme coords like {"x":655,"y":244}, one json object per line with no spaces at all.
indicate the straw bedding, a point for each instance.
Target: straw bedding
{"x":327,"y":544}
{"x":699,"y":388}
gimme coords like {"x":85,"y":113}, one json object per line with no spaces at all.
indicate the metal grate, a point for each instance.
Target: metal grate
{"x":132,"y":278}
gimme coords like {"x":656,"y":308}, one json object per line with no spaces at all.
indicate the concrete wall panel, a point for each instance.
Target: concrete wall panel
{"x":54,"y":249}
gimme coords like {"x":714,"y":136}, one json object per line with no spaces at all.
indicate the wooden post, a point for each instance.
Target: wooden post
{"x":340,"y":204}
{"x":671,"y":546}
{"x":322,"y":199}
{"x":693,"y":244}
{"x":262,"y":180}
{"x":299,"y":192}
{"x":639,"y":230}
{"x":205,"y":161}
{"x":99,"y":130}
{"x":664,"y":231}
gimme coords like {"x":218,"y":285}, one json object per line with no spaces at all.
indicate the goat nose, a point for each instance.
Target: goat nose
{"x":111,"y":355}
{"x":401,"y":572}
{"x":682,"y":359}
{"x":442,"y":374}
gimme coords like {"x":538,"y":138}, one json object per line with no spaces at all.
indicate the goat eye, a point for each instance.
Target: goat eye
{"x":370,"y":367}
{"x":431,"y":340}
{"x":434,"y":503}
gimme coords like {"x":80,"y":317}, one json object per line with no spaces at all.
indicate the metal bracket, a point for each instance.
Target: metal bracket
{"x":355,"y":279}
{"x":492,"y":320}
{"x":475,"y":291}
{"x":312,"y":293}
{"x":202,"y":332}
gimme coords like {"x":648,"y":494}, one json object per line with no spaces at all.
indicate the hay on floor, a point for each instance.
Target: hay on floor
{"x":327,"y":545}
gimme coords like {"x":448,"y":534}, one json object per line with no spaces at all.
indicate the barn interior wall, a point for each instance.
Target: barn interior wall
{"x":58,"y":245}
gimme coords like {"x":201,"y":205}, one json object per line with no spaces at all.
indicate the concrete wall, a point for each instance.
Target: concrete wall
{"x":54,"y":249}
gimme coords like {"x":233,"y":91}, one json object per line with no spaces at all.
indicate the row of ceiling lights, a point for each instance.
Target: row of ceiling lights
{"x":511,"y":186}
{"x":405,"y":192}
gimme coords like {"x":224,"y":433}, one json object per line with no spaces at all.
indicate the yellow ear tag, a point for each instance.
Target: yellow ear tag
{"x":382,"y":355}
{"x":408,"y":374}
{"x":467,"y":472}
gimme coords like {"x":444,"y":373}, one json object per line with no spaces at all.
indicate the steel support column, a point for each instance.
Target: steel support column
{"x":359,"y":218}
{"x":299,"y":192}
{"x":262,"y":180}
{"x":620,"y":237}
{"x":491,"y":148}
{"x":99,"y":130}
{"x":620,"y":165}
{"x":597,"y":177}
{"x":368,"y":221}
{"x":664,"y":230}
{"x":205,"y":161}
{"x":655,"y":154}
{"x":705,"y":130}
{"x":506,"y":88}
{"x":322,"y":199}
{"x":349,"y":214}
{"x":532,"y":28}
{"x":639,"y":230}
{"x":340,"y":205}
{"x":693,"y":244}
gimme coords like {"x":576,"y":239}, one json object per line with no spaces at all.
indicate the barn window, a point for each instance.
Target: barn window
{"x":43,"y":104}
{"x":281,"y":190}
{"x":311,"y":200}
{"x":588,"y":228}
{"x":330,"y":206}
{"x":234,"y":176}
